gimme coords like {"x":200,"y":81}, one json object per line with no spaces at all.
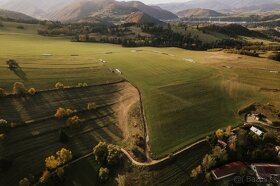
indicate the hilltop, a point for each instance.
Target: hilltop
{"x":7,"y":14}
{"x":199,"y":12}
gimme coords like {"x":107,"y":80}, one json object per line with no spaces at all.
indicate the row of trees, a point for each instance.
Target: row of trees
{"x":53,"y":164}
{"x":18,"y":89}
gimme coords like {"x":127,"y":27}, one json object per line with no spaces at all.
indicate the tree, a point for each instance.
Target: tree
{"x":275,"y":56}
{"x":3,"y":123}
{"x":208,"y":162}
{"x":19,"y":88}
{"x":100,"y":152}
{"x":219,"y":134}
{"x":195,"y":172}
{"x":45,"y":176}
{"x":64,"y":155}
{"x":208,"y":177}
{"x":2,"y":92}
{"x":2,"y":137}
{"x":91,"y":106}
{"x":52,"y":162}
{"x":62,"y":112}
{"x":32,"y":91}
{"x":220,"y":153}
{"x":114,"y":154}
{"x":24,"y":182}
{"x":104,"y":174}
{"x":59,"y":85}
{"x":75,"y":120}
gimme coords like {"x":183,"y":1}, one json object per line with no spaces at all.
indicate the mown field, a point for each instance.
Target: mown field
{"x":186,"y":94}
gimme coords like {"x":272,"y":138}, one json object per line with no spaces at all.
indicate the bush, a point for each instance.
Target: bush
{"x":75,"y":120}
{"x":104,"y":174}
{"x":275,"y":56}
{"x":2,"y":92}
{"x":91,"y":106}
{"x":32,"y":91}
{"x":100,"y":152}
{"x":19,"y":88}
{"x":59,"y":85}
{"x":24,"y":182}
{"x":82,"y":85}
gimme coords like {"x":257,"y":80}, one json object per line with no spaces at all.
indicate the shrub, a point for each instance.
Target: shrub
{"x":24,"y":182}
{"x":82,"y":85}
{"x":91,"y":106}
{"x":75,"y":120}
{"x":45,"y":176}
{"x":3,"y":123}
{"x":59,"y":85}
{"x":32,"y":91}
{"x":275,"y":56}
{"x":104,"y":174}
{"x":2,"y":92}
{"x":19,"y":88}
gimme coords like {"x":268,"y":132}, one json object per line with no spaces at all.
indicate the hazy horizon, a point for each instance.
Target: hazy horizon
{"x":157,"y":1}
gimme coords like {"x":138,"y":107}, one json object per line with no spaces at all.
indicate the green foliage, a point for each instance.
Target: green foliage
{"x":107,"y":153}
{"x":100,"y":152}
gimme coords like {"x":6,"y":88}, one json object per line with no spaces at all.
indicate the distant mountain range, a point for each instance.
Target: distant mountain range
{"x":7,"y":14}
{"x":199,"y":12}
{"x":88,"y":10}
{"x":223,"y":5}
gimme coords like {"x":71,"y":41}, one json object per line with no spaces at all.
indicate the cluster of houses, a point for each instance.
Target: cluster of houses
{"x":262,"y":172}
{"x":256,"y":172}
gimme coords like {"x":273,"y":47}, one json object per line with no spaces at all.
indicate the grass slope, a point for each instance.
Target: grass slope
{"x":183,"y":100}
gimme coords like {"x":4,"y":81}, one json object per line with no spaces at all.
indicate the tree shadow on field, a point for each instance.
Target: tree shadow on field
{"x":20,"y":73}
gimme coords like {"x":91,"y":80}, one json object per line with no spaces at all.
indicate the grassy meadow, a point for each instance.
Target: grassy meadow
{"x":186,"y":94}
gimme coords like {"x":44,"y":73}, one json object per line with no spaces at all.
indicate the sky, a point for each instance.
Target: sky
{"x":159,"y":1}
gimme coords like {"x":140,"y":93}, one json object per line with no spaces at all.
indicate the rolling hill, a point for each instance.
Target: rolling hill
{"x":219,"y":4}
{"x":140,"y":17}
{"x":7,"y":14}
{"x":199,"y":12}
{"x":107,"y":10}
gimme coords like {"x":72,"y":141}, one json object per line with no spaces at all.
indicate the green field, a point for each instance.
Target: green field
{"x":183,"y":100}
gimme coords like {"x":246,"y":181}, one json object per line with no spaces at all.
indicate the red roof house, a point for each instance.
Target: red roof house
{"x":228,"y":170}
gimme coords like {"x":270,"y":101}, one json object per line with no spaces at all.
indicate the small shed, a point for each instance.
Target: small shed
{"x":256,"y":131}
